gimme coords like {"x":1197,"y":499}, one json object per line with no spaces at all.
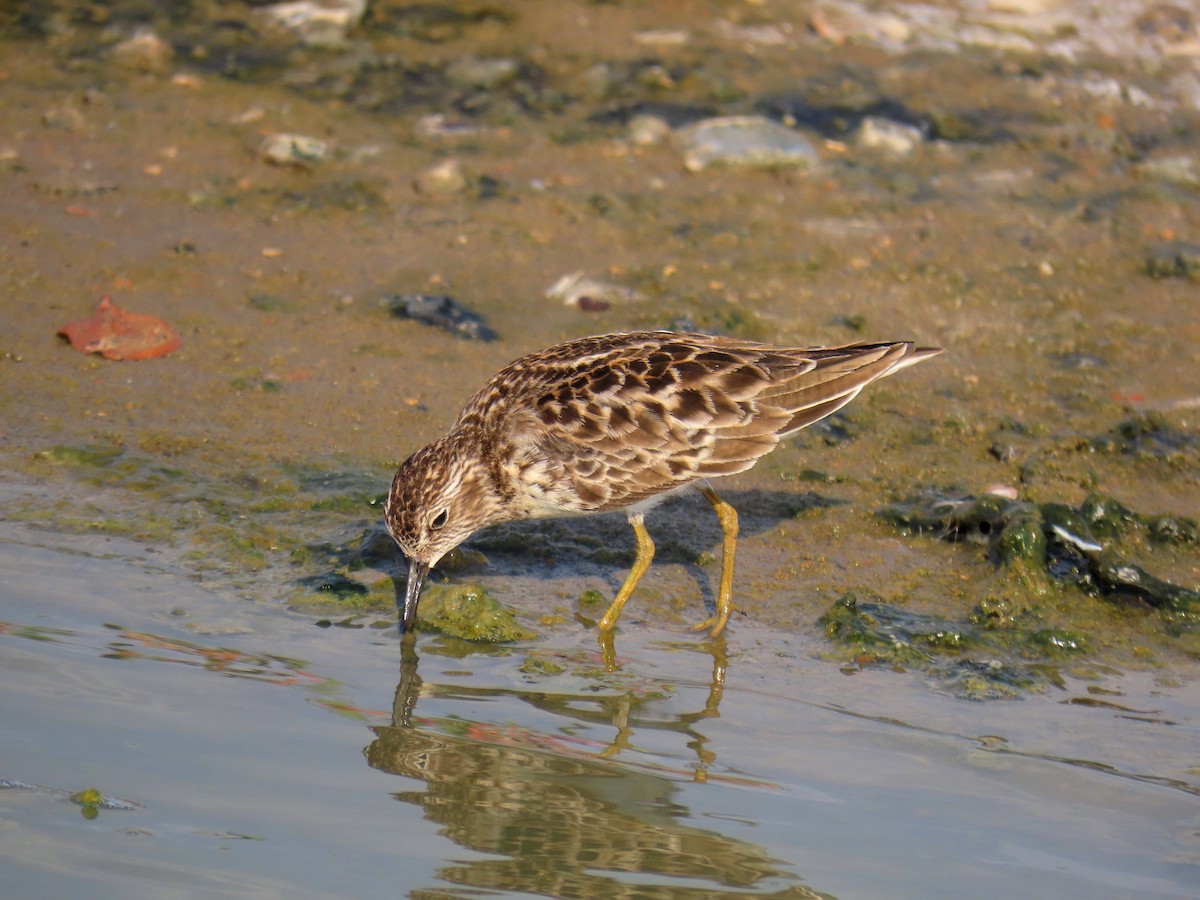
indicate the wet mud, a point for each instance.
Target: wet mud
{"x":1029,"y":208}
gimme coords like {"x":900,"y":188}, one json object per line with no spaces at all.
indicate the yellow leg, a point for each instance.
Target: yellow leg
{"x":608,"y":650}
{"x":728,"y":518}
{"x":645,"y":553}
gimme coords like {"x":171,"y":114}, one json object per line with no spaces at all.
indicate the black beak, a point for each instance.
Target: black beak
{"x":412,"y":594}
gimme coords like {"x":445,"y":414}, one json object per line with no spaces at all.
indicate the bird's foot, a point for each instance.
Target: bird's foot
{"x":716,"y":623}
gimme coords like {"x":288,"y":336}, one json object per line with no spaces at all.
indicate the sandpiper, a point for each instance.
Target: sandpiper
{"x":620,"y":422}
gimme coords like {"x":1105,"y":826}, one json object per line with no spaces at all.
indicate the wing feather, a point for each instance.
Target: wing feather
{"x":623,"y":418}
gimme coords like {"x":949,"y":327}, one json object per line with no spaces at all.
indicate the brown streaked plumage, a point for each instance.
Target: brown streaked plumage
{"x":619,"y":422}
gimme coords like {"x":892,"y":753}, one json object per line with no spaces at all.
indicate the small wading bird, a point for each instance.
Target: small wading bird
{"x":619,"y":422}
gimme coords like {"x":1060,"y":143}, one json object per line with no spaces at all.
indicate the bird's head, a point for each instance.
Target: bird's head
{"x":440,"y":496}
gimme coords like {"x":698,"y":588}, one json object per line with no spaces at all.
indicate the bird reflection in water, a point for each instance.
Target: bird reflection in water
{"x":568,"y":815}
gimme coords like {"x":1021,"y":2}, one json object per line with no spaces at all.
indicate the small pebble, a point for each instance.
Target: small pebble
{"x":144,"y":52}
{"x":442,"y":312}
{"x":1002,"y":452}
{"x":482,"y":74}
{"x":589,"y":294}
{"x":1025,"y":7}
{"x":1176,"y":259}
{"x":1007,"y":491}
{"x":318,"y":24}
{"x":896,"y":138}
{"x":1167,"y":22}
{"x":663,"y":37}
{"x":1175,"y":169}
{"x":645,"y":130}
{"x":762,"y":35}
{"x":294,"y":150}
{"x":447,"y":177}
{"x":64,"y":118}
{"x":436,"y":125}
{"x":745,"y":142}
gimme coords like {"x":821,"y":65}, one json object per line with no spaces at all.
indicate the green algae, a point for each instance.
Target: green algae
{"x":72,"y":518}
{"x":158,"y":443}
{"x":1056,"y":642}
{"x":336,"y":585}
{"x":1149,"y":436}
{"x":469,"y":612}
{"x":540,"y":665}
{"x":349,"y":503}
{"x":1068,"y":580}
{"x":1106,"y":516}
{"x":1055,"y":541}
{"x":882,"y":634}
{"x":592,"y":604}
{"x":335,"y":592}
{"x":972,"y":659}
{"x":88,"y":455}
{"x":89,"y":801}
{"x":1023,"y":540}
{"x":242,"y":522}
{"x":981,"y":680}
{"x":1173,"y":529}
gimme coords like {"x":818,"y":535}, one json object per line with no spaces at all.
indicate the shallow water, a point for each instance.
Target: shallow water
{"x":283,"y":759}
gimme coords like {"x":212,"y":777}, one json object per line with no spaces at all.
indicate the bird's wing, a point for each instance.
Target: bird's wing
{"x":626,"y":417}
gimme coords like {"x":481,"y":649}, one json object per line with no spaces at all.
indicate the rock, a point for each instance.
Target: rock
{"x":447,"y":177}
{"x":654,"y":76}
{"x":589,"y":294}
{"x":144,"y":52}
{"x":482,"y":74}
{"x":645,"y":130}
{"x":1025,"y":7}
{"x":598,"y":81}
{"x":294,"y":150}
{"x":438,"y":126}
{"x":1167,"y":23}
{"x":1006,"y":491}
{"x":745,"y":142}
{"x":1111,"y":90}
{"x":64,"y":118}
{"x":1177,"y":169}
{"x":663,"y":37}
{"x":1060,"y":540}
{"x":441,"y":312}
{"x":1185,"y":87}
{"x":317,"y":23}
{"x":896,"y":138}
{"x":1176,"y":259}
{"x":842,"y":23}
{"x":762,"y":35}
{"x":991,"y":38}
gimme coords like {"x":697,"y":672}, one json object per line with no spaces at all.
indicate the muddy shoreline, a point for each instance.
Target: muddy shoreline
{"x":1017,"y":234}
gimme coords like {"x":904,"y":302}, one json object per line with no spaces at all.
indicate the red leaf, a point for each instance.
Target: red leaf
{"x":116,"y":334}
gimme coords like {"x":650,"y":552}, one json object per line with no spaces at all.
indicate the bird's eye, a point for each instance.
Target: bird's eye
{"x":439,"y":521}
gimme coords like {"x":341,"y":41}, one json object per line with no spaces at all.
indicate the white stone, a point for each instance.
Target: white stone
{"x":318,"y":23}
{"x":294,"y":150}
{"x":892,"y":137}
{"x":743,"y":142}
{"x":447,"y":177}
{"x":645,"y":130}
{"x":144,"y":51}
